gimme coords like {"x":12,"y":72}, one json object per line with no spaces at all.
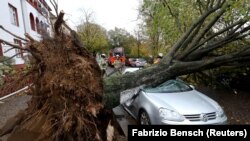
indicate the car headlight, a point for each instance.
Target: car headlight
{"x":220,"y":112}
{"x":171,"y":115}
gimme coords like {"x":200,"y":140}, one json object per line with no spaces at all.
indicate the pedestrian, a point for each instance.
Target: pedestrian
{"x":103,"y":64}
{"x":158,"y":59}
{"x":118,"y":64}
{"x":151,"y":59}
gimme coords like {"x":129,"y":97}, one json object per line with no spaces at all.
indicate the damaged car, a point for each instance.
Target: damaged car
{"x":173,"y":103}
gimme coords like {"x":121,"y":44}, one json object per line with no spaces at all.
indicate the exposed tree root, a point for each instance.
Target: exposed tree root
{"x":67,"y":94}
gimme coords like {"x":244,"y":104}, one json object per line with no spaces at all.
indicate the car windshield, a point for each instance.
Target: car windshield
{"x":170,"y":86}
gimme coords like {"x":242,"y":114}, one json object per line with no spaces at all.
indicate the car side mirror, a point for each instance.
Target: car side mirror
{"x":192,"y":86}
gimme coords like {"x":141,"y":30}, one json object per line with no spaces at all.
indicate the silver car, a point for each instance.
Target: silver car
{"x":174,"y":102}
{"x":139,"y":62}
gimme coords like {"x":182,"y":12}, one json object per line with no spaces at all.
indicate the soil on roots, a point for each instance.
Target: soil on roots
{"x":67,"y":95}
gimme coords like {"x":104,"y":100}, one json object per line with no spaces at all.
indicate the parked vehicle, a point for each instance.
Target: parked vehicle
{"x":139,"y":62}
{"x":173,"y":102}
{"x":113,"y":53}
{"x":129,"y":61}
{"x":129,"y":70}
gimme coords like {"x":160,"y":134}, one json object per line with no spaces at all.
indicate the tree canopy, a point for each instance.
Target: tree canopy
{"x":121,"y":38}
{"x":167,"y":20}
{"x":93,"y":36}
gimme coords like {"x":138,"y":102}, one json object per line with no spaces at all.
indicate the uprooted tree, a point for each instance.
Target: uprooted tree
{"x":67,"y":85}
{"x":66,"y":89}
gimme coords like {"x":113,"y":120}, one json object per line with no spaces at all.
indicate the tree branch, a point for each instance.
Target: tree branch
{"x":59,"y":22}
{"x":239,"y":24}
{"x":198,"y":38}
{"x":200,"y":6}
{"x":11,"y":57}
{"x":191,"y":37}
{"x":12,"y":34}
{"x":8,"y":50}
{"x":55,"y":6}
{"x":196,"y":54}
{"x":13,"y":45}
{"x":32,"y":40}
{"x":188,"y":33}
{"x":209,"y":63}
{"x":177,"y":20}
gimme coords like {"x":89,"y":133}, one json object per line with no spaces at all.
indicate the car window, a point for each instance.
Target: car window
{"x":141,"y":59}
{"x":169,"y":86}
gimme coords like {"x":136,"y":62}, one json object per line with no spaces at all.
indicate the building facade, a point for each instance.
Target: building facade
{"x":20,"y":17}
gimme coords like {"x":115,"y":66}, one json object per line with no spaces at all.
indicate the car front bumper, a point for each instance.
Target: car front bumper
{"x":217,"y":121}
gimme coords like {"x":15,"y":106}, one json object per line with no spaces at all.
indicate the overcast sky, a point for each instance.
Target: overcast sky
{"x":107,"y":13}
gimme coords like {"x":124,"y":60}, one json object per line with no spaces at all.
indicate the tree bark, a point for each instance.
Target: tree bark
{"x":59,"y":22}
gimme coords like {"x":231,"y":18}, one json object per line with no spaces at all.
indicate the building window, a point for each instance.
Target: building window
{"x":13,"y":15}
{"x":1,"y":49}
{"x":37,"y":25}
{"x":32,"y":22}
{"x":35,"y":4}
{"x":19,"y":52}
{"x":41,"y":27}
{"x":31,"y":2}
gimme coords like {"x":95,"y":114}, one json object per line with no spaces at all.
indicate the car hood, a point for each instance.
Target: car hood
{"x":191,"y":102}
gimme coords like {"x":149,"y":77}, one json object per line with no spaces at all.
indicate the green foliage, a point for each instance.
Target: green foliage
{"x":144,"y":51}
{"x":94,"y":37}
{"x":6,"y":60}
{"x":121,"y":38}
{"x":166,"y":22}
{"x":5,"y":67}
{"x":111,"y":101}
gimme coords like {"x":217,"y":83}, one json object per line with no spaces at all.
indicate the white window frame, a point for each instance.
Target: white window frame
{"x":19,"y":52}
{"x":13,"y":15}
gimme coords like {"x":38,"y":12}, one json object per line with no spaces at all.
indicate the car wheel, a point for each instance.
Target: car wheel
{"x":144,"y":118}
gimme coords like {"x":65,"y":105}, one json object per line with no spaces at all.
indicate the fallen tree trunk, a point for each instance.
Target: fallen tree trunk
{"x":210,"y":42}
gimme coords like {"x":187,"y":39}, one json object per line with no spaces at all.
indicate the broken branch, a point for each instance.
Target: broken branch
{"x":11,"y":57}
{"x":29,"y":37}
{"x":59,"y":22}
{"x":12,"y":33}
{"x":13,"y":45}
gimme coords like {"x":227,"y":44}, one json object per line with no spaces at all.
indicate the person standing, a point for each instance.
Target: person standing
{"x":158,"y":59}
{"x":151,"y":59}
{"x":118,"y":64}
{"x":103,"y":64}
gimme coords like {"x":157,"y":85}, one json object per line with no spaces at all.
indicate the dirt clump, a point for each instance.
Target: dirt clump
{"x":67,"y":94}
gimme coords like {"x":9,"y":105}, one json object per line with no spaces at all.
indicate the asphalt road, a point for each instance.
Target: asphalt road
{"x":11,"y":106}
